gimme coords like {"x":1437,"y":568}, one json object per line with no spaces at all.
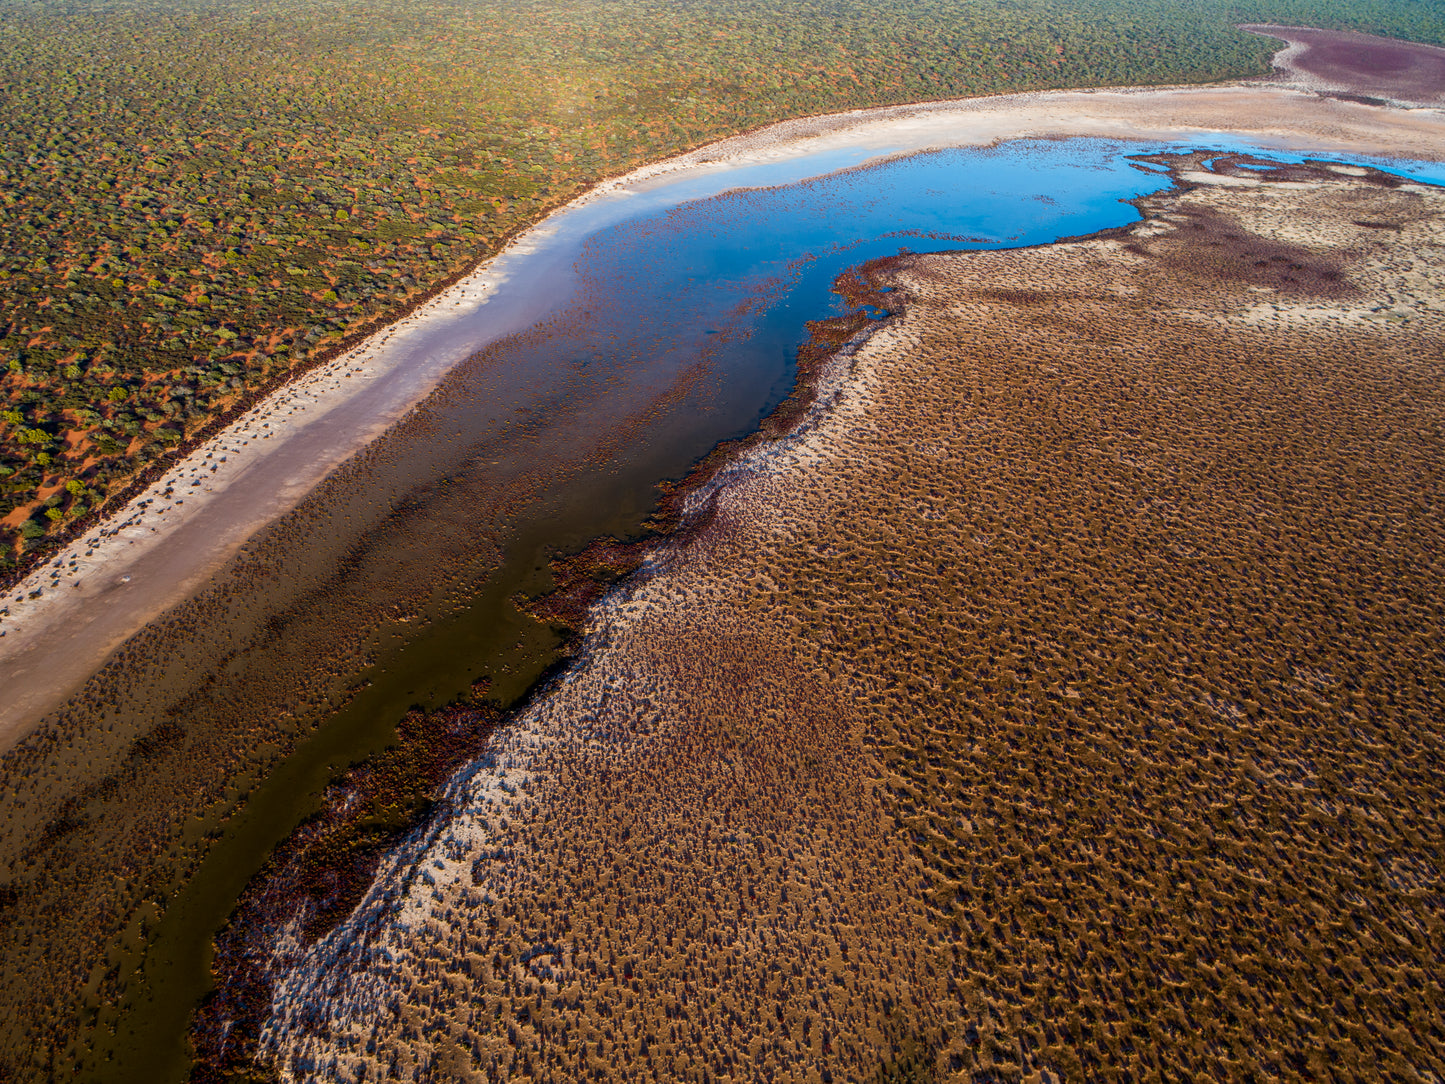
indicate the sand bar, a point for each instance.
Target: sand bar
{"x":64,"y":620}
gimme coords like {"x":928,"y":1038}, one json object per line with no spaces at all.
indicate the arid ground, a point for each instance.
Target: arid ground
{"x":1359,"y":64}
{"x":1061,"y":700}
{"x":62,"y":622}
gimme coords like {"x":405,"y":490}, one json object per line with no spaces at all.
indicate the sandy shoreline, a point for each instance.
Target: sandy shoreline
{"x":59,"y":625}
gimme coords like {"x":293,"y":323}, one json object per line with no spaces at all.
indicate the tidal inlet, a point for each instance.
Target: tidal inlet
{"x":727,"y":543}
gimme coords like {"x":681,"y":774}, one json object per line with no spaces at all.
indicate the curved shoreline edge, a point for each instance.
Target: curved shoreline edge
{"x":62,"y":621}
{"x":276,"y":922}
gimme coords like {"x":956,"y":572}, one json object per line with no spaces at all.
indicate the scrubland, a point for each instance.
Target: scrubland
{"x":1060,"y":700}
{"x":198,"y":202}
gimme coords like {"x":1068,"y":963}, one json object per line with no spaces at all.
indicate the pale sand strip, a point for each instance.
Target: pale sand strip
{"x":88,"y":599}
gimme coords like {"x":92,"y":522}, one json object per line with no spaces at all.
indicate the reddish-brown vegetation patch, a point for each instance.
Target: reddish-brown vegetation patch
{"x":321,"y":872}
{"x":1362,"y":64}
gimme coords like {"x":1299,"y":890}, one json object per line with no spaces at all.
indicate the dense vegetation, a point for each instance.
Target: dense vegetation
{"x":196,"y":199}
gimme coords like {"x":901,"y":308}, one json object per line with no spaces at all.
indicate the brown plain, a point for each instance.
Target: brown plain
{"x":1065,"y":703}
{"x":1362,"y":64}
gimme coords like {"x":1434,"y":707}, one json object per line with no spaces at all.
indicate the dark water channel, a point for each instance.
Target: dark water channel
{"x":671,"y":330}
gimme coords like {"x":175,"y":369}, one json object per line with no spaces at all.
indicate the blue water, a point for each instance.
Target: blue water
{"x":705,"y":303}
{"x":677,"y":323}
{"x":714,"y":293}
